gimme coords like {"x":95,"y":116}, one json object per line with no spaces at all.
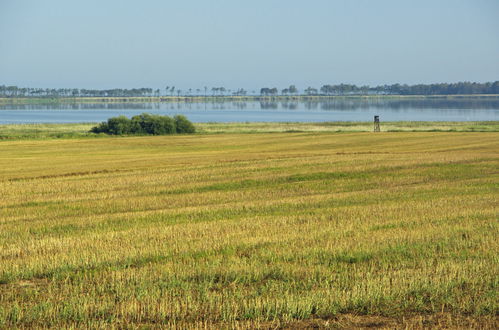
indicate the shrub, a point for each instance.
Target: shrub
{"x":145,"y":123}
{"x":152,"y":124}
{"x":141,"y":123}
{"x":183,"y":125}
{"x":119,"y":125}
{"x":101,"y":128}
{"x":163,"y":125}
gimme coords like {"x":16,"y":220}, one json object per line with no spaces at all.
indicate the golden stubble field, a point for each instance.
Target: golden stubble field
{"x":250,"y":230}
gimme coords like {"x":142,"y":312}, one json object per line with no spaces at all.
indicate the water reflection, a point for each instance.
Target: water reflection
{"x":334,"y":104}
{"x":343,"y":109}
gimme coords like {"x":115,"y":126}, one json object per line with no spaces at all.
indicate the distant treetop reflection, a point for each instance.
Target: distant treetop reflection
{"x":324,"y":105}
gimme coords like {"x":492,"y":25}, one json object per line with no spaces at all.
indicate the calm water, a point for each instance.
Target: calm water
{"x":331,"y":110}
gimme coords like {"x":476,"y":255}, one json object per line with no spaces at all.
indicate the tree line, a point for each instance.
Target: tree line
{"x":339,"y":89}
{"x":419,"y":89}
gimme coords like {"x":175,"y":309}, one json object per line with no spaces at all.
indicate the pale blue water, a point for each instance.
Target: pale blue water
{"x":332,"y":110}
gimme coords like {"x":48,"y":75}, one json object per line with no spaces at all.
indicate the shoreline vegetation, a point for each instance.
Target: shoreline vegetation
{"x":145,"y":124}
{"x":81,"y":130}
{"x":229,"y":98}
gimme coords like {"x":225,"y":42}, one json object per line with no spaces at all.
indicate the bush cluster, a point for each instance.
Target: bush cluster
{"x":145,"y":123}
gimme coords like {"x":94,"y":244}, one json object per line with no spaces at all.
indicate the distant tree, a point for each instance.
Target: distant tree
{"x":327,"y":89}
{"x":240,"y":91}
{"x":364,"y":89}
{"x":494,"y":89}
{"x":268,"y":91}
{"x":264,"y":91}
{"x":311,"y":91}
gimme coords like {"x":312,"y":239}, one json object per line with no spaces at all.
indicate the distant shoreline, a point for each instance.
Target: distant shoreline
{"x":255,"y":98}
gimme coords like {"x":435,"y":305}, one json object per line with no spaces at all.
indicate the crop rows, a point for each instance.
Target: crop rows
{"x":249,"y":230}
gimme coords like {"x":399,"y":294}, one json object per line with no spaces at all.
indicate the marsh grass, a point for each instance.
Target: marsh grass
{"x":45,"y":131}
{"x":250,"y":230}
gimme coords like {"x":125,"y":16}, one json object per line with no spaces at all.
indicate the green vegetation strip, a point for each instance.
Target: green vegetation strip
{"x":51,"y":131}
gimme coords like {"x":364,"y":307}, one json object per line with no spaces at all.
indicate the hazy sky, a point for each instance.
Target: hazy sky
{"x":250,"y":44}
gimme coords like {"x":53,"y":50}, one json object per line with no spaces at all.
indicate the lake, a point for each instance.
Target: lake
{"x":424,"y":109}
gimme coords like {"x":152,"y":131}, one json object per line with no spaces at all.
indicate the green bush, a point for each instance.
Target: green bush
{"x":101,"y":128}
{"x":183,"y":125}
{"x":153,"y":124}
{"x":145,"y":123}
{"x":119,"y":125}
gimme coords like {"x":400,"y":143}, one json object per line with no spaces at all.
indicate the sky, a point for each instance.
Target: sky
{"x":249,"y":44}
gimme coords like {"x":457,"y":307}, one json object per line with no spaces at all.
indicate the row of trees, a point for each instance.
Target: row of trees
{"x":216,"y":91}
{"x":14,"y":91}
{"x":341,"y":89}
{"x":420,"y":89}
{"x":291,"y":90}
{"x":395,"y":89}
{"x":145,"y":123}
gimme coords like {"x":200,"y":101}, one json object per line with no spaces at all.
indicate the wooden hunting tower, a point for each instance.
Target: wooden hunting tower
{"x":376,"y":124}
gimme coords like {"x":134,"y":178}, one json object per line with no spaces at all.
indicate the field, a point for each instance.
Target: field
{"x":264,"y":230}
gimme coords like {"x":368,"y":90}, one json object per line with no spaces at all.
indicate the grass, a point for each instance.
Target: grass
{"x":45,"y":131}
{"x":311,"y":229}
{"x":51,"y":131}
{"x":401,"y":126}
